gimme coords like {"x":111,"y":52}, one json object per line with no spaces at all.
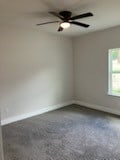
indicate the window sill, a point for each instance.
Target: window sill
{"x":114,"y":95}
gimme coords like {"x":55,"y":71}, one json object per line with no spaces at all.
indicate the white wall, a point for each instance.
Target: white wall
{"x":91,"y":67}
{"x":36,"y":71}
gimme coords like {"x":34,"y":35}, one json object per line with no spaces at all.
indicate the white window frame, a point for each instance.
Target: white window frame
{"x":110,"y":74}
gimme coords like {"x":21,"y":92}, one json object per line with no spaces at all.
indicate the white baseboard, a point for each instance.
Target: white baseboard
{"x":35,"y":113}
{"x":97,"y":107}
{"x":54,"y":107}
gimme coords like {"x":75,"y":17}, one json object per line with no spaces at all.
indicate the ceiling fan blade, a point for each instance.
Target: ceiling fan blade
{"x":56,"y":15}
{"x":60,"y":29}
{"x":89,"y":14}
{"x":47,"y":23}
{"x":80,"y":24}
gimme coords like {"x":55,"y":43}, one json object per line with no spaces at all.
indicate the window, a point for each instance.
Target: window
{"x":114,"y":72}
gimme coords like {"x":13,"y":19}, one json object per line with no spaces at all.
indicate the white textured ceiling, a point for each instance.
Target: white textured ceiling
{"x":27,"y":13}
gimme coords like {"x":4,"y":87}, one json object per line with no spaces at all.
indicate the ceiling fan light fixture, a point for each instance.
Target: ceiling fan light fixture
{"x":65,"y":25}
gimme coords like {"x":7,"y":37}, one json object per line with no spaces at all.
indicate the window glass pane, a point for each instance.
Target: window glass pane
{"x":116,"y":83}
{"x":115,"y":60}
{"x":115,"y":71}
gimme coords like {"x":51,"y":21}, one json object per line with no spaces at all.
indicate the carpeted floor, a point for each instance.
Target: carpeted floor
{"x":70,"y":133}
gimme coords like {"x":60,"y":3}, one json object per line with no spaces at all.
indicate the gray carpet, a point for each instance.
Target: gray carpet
{"x":70,"y":133}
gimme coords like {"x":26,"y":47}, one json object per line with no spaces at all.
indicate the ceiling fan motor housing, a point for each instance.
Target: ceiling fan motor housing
{"x":66,"y":14}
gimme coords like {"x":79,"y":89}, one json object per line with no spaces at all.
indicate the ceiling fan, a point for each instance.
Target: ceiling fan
{"x":66,"y":19}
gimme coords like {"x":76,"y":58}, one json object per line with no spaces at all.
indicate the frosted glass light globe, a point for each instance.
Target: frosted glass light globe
{"x":65,"y":25}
